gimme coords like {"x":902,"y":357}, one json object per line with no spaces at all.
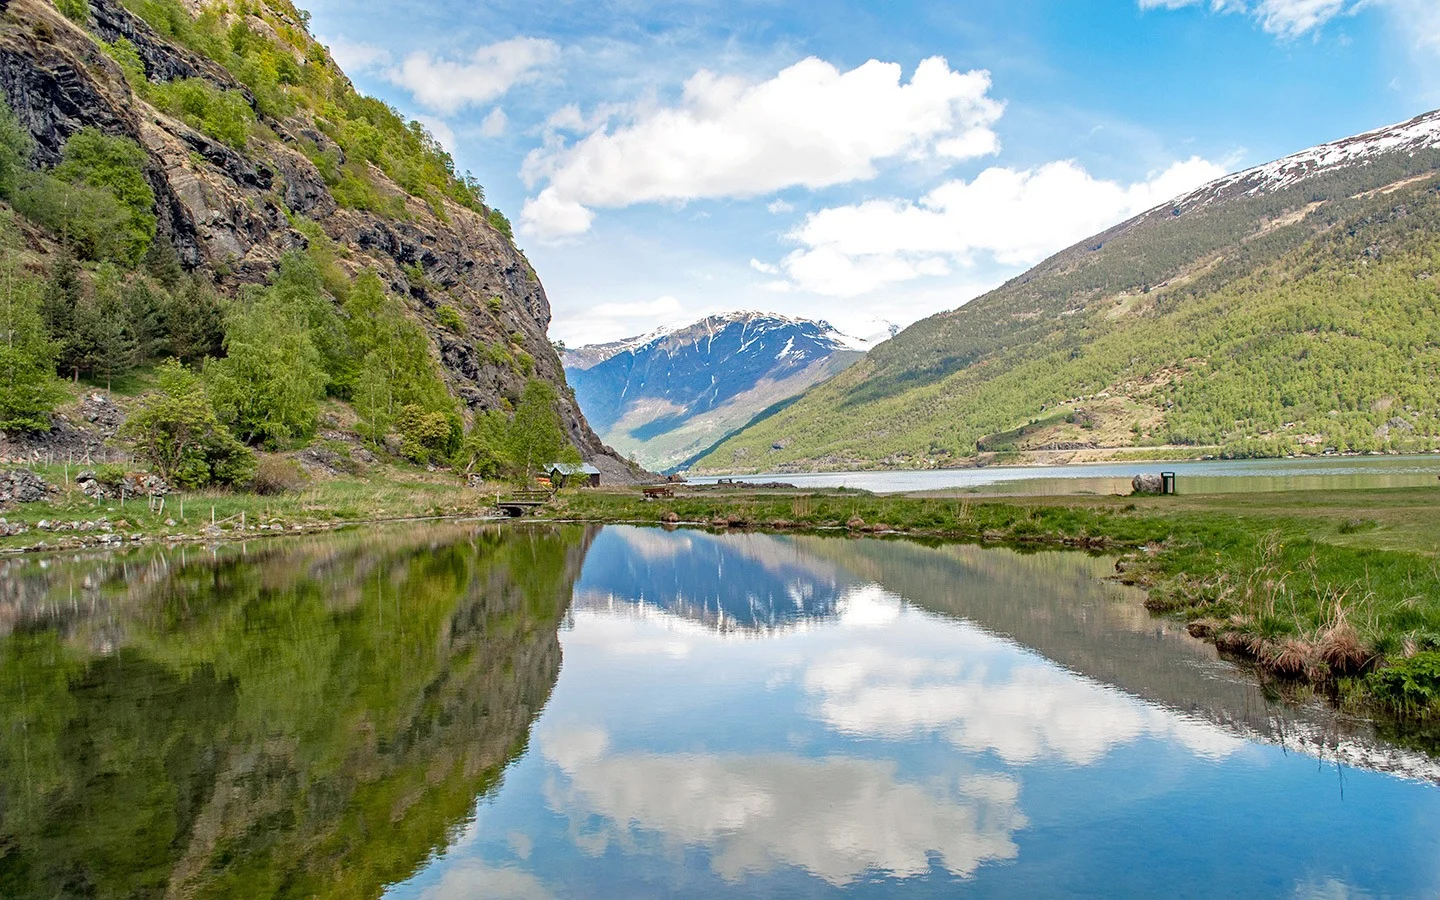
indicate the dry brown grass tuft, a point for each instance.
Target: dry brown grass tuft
{"x":1293,"y":657}
{"x":1342,"y":649}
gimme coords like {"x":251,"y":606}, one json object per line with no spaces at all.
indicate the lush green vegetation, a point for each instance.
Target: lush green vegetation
{"x":175,"y":429}
{"x":28,"y":388}
{"x":288,"y":72}
{"x":1322,"y":333}
{"x":1335,"y":588}
{"x":97,"y":200}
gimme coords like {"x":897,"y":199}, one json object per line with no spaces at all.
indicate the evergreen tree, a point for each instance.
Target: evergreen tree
{"x":193,"y":321}
{"x":105,"y":327}
{"x":63,"y":294}
{"x":28,"y":388}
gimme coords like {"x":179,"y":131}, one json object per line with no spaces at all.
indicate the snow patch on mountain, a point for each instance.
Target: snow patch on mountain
{"x":1419,"y":133}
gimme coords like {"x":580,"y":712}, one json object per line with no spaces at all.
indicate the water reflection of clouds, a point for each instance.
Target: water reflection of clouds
{"x":982,"y":694}
{"x":472,"y":880}
{"x":836,"y":817}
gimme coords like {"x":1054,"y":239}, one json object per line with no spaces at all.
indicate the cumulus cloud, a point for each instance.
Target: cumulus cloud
{"x":613,"y":321}
{"x":1016,"y":217}
{"x":447,"y":85}
{"x":356,"y":56}
{"x":809,"y":126}
{"x":838,"y":818}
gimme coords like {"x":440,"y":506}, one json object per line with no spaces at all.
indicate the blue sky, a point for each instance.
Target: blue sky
{"x":862,"y":162}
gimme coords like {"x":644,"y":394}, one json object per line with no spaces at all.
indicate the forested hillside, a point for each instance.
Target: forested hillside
{"x":1289,"y":309}
{"x":197,"y":201}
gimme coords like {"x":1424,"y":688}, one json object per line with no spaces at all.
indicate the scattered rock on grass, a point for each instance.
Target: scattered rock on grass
{"x":23,"y":486}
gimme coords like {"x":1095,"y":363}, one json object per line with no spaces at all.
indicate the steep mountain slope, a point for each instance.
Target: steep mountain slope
{"x":1288,"y":308}
{"x":668,"y":395}
{"x":233,"y":198}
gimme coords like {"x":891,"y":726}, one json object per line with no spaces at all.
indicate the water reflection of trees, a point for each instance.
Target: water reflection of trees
{"x":293,"y":719}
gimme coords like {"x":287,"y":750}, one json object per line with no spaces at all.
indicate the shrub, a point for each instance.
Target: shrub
{"x":277,"y":475}
{"x":1409,"y":684}
{"x":175,"y":429}
{"x":74,"y":10}
{"x":222,"y":115}
{"x":450,"y":318}
{"x":427,"y":437}
{"x":501,"y":224}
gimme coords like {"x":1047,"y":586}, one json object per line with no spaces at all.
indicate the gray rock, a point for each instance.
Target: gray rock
{"x":1148,"y":484}
{"x":23,"y":486}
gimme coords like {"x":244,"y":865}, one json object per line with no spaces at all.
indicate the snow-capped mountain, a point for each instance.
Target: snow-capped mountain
{"x":1420,"y":133}
{"x":668,"y":395}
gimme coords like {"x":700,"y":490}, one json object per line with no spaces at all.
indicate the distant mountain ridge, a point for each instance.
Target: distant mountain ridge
{"x":668,"y":395}
{"x":1288,"y":308}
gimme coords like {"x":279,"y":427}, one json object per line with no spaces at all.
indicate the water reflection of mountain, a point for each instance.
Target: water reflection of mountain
{"x":307,"y":718}
{"x":1058,"y":604}
{"x":743,"y":583}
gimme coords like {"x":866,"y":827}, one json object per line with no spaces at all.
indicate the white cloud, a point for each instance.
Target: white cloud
{"x":356,"y":56}
{"x":1015,"y":217}
{"x":838,"y":818}
{"x":441,"y":130}
{"x":809,"y":126}
{"x":604,"y":322}
{"x":1030,"y":713}
{"x":780,"y":207}
{"x":473,"y":880}
{"x":448,"y":86}
{"x":494,"y":123}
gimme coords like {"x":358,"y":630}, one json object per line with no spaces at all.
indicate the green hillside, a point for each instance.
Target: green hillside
{"x":1241,"y":322}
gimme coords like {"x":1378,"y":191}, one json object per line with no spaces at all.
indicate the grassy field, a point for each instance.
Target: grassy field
{"x":1340,"y":589}
{"x":392,"y":493}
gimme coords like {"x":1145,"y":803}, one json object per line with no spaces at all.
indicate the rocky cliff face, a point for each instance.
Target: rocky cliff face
{"x":230,"y":213}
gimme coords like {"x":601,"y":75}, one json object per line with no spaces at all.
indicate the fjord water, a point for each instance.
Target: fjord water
{"x":481,"y":711}
{"x":1327,"y":473}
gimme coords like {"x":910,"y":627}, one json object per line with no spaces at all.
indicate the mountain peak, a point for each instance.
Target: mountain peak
{"x":671,"y":393}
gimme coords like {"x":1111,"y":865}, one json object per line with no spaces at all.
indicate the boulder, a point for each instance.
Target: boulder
{"x":1148,"y":484}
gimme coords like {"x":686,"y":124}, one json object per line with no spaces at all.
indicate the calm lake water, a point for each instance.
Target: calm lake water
{"x":485,"y":711}
{"x":1209,"y":477}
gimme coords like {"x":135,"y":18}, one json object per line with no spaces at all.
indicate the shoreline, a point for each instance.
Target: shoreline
{"x":1037,"y":460}
{"x":1336,"y":590}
